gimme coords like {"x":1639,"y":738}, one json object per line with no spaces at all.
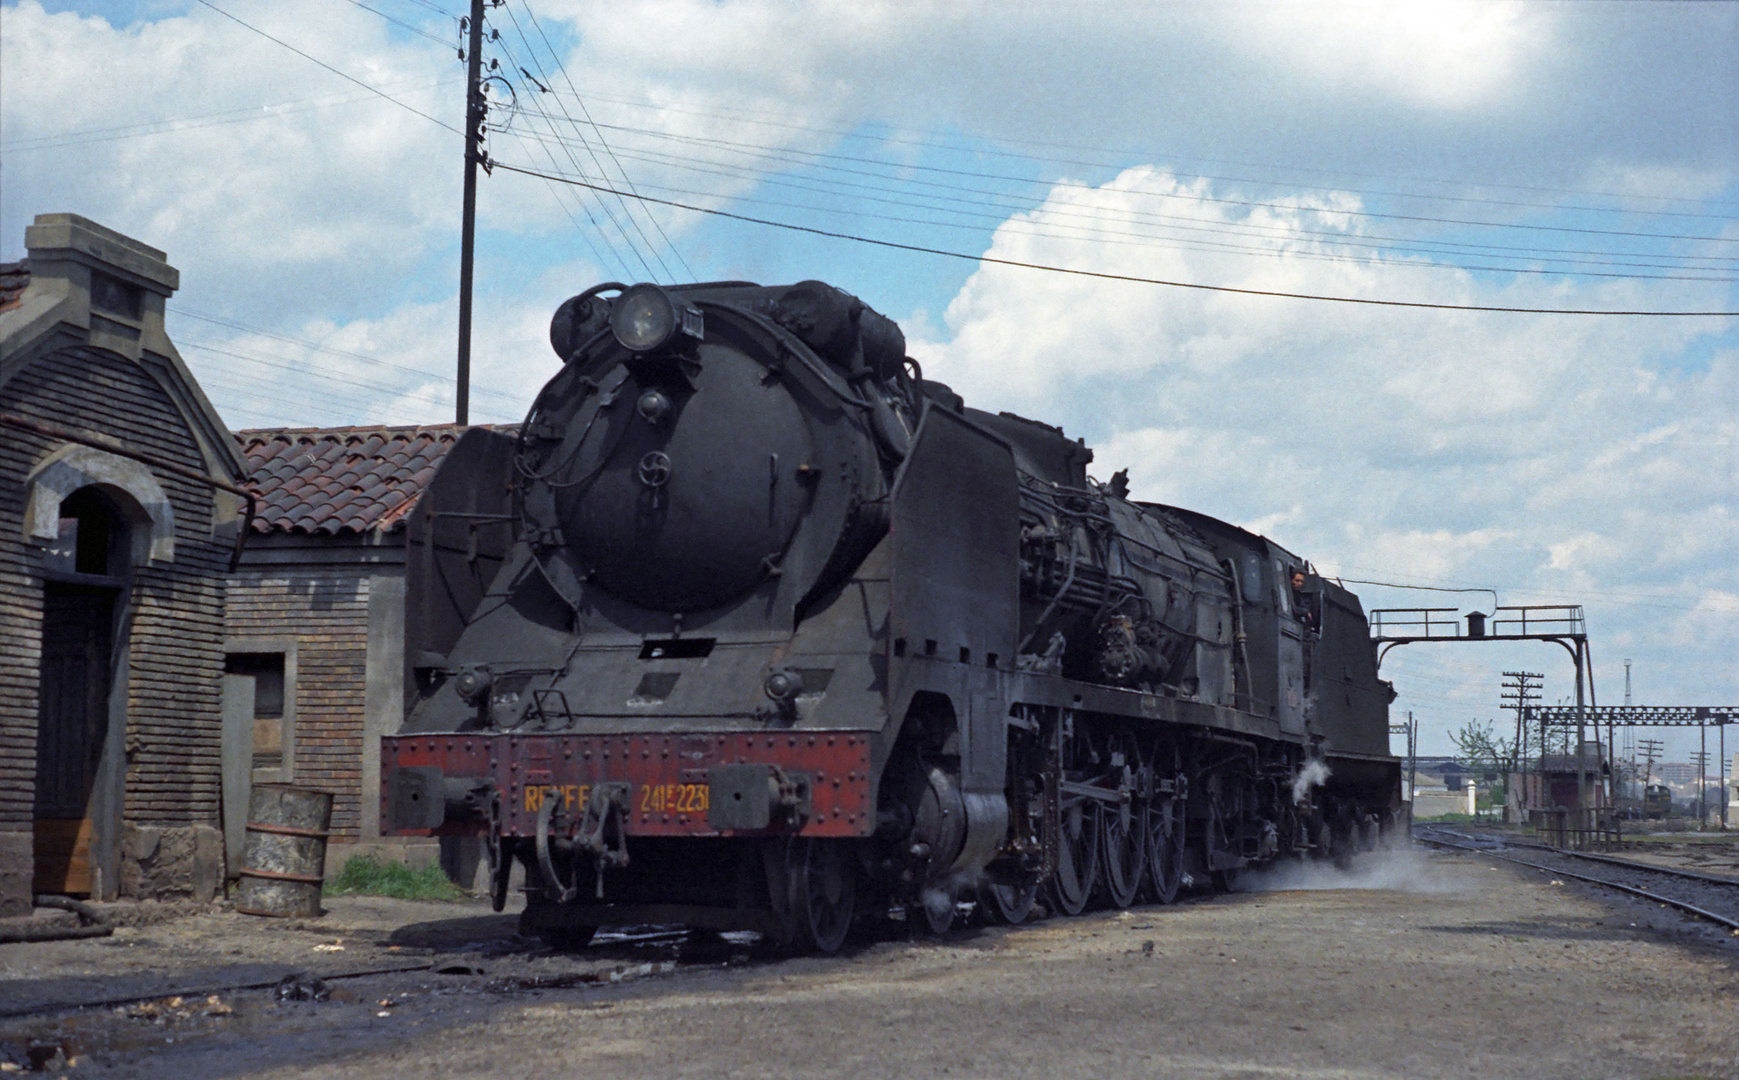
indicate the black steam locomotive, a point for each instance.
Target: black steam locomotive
{"x":749,"y":625}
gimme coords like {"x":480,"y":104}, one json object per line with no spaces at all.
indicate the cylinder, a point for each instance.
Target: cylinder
{"x":284,"y":859}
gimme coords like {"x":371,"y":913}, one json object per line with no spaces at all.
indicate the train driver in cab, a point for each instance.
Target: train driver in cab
{"x":1305,"y":603}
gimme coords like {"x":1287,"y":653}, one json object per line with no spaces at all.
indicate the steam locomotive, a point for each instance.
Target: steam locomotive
{"x":750,"y":625}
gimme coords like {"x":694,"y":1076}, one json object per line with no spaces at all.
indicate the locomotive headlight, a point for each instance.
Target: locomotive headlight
{"x":653,"y":407}
{"x":783,"y":685}
{"x":645,"y":318}
{"x":472,"y":683}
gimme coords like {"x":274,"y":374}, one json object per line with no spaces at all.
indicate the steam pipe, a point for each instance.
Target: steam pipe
{"x":1068,"y":579}
{"x":1239,"y":636}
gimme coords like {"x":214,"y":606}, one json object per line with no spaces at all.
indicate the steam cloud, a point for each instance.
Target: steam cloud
{"x":1311,"y":775}
{"x":1400,"y":868}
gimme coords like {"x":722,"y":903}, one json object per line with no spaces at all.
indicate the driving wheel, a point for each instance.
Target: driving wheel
{"x":824,"y":893}
{"x":1008,"y":905}
{"x":1125,"y":855}
{"x":1165,"y":848}
{"x":1077,"y":857}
